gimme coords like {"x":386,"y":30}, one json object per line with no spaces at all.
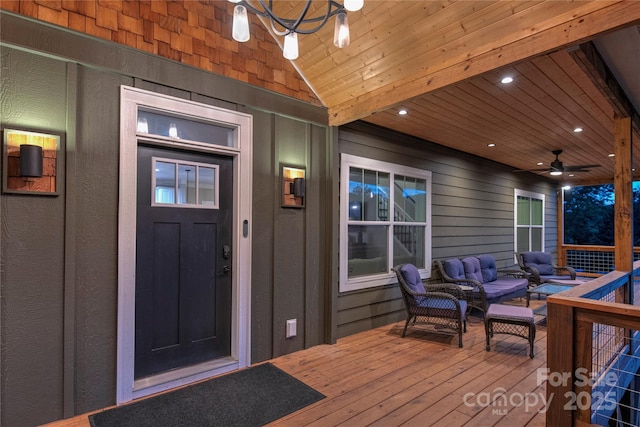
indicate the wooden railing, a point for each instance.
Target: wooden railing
{"x":593,"y":349}
{"x":590,"y":260}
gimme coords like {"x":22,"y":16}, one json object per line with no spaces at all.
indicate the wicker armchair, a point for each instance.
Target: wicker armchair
{"x":540,"y":268}
{"x":440,"y":305}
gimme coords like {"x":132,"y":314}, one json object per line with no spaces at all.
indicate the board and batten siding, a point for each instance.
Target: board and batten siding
{"x":472,"y":212}
{"x":59,"y":277}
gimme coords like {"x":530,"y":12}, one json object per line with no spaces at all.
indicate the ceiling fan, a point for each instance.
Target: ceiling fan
{"x":556,"y":167}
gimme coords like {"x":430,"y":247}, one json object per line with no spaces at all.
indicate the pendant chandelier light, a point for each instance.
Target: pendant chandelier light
{"x":290,"y":28}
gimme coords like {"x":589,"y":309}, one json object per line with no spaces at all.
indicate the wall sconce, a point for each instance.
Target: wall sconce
{"x":30,"y":161}
{"x":293,"y":187}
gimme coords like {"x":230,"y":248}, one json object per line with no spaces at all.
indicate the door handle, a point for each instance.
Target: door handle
{"x":226,"y":269}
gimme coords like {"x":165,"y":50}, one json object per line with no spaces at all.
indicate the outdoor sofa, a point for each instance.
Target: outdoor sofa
{"x":483,"y":282}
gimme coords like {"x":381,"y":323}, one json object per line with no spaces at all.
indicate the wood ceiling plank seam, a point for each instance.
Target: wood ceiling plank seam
{"x":361,"y":41}
{"x":588,"y":115}
{"x":590,"y":61}
{"x":408,"y":50}
{"x":583,"y":80}
{"x":513,"y":119}
{"x":369,"y":49}
{"x":556,"y":115}
{"x":461,"y":48}
{"x":541,"y":130}
{"x":445,"y":120}
{"x":500,"y":129}
{"x":443,"y":35}
{"x":575,"y":30}
{"x":518,"y":101}
{"x":443,"y":41}
{"x":565,"y":102}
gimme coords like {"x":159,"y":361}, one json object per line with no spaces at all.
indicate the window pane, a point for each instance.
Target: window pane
{"x":536,"y":239}
{"x":368,"y":195}
{"x":536,"y":212}
{"x":206,"y":186}
{"x":152,"y":123}
{"x":165,"y":182}
{"x":523,"y":239}
{"x":356,"y":188}
{"x":186,"y":185}
{"x":408,"y":245}
{"x":524,"y":211}
{"x":410,"y":199}
{"x":367,"y":250}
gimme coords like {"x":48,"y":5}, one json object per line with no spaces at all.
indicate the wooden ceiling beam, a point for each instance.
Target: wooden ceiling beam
{"x":566,"y":33}
{"x":589,"y":59}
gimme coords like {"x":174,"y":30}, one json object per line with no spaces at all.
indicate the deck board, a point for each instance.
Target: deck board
{"x":377,"y":378}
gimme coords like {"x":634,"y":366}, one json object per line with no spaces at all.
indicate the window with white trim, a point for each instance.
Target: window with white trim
{"x":528,"y":221}
{"x":385,"y":212}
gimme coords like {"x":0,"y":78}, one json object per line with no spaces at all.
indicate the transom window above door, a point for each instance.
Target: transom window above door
{"x":184,"y":184}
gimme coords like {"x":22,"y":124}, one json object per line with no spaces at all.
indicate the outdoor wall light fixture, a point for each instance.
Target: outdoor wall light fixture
{"x":293,"y":187}
{"x":290,"y":28}
{"x":30,"y":161}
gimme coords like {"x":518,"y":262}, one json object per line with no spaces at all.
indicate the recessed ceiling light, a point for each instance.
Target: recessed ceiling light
{"x":540,"y":163}
{"x":578,"y":129}
{"x":506,"y":80}
{"x":611,"y":155}
{"x":403,"y":112}
{"x":491,"y":145}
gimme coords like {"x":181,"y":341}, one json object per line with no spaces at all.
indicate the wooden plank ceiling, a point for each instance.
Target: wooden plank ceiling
{"x":443,"y":60}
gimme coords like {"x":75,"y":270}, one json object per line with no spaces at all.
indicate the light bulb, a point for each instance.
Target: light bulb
{"x":173,"y":130}
{"x":341,"y":34}
{"x":240,"y":28}
{"x":290,"y":50}
{"x":353,"y":5}
{"x":143,"y":126}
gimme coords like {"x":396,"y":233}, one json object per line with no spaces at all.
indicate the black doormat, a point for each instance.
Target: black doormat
{"x":250,"y":397}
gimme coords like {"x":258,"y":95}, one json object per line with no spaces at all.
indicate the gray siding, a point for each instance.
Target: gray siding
{"x":472,"y":212}
{"x":58,"y":282}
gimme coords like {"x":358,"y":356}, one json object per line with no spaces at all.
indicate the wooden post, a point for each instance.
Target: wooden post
{"x":560,"y":359}
{"x":562,"y":258}
{"x":623,"y":200}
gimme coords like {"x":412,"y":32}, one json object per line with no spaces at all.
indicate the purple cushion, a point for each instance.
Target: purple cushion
{"x":454,"y":268}
{"x":411,"y":275}
{"x":493,"y":292}
{"x":472,"y":269}
{"x":505,"y":310}
{"x":541,"y":261}
{"x":443,"y":306}
{"x":488,"y":268}
{"x":501,"y":287}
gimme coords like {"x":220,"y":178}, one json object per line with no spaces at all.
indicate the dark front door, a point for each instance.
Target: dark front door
{"x":183,"y":250}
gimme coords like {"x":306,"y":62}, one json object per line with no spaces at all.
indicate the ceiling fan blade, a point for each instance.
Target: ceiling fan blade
{"x":532,"y":170}
{"x":578,"y":167}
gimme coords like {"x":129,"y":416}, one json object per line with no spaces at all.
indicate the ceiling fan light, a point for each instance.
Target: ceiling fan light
{"x":555,"y":173}
{"x":341,"y":33}
{"x":353,"y":5}
{"x":290,"y":50}
{"x":240,"y":27}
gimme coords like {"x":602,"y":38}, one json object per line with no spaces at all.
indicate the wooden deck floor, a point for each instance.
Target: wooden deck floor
{"x":377,"y":378}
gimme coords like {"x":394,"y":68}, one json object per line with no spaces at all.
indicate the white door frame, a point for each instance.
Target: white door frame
{"x":241,"y":150}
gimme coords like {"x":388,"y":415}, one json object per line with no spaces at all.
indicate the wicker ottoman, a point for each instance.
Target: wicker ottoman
{"x":511,"y":320}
